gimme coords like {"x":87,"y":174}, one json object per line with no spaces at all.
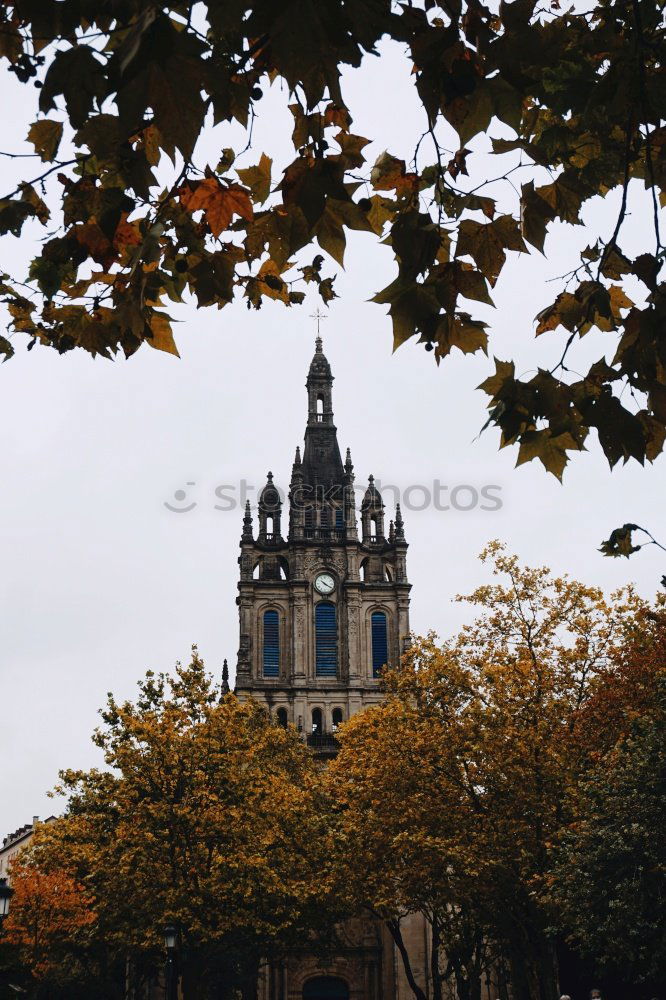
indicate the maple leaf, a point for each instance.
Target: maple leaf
{"x":258,"y":179}
{"x":390,"y":174}
{"x":219,"y":202}
{"x":535,"y":214}
{"x":78,"y":75}
{"x":45,"y":135}
{"x":505,"y":371}
{"x":161,"y":333}
{"x":274,"y":285}
{"x":460,"y":331}
{"x":551,"y":450}
{"x":486,"y":243}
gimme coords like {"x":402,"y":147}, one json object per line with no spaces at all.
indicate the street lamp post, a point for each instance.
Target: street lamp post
{"x":170,"y":938}
{"x":6,"y":893}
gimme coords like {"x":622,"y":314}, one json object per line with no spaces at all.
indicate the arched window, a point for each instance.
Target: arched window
{"x":364,"y":570}
{"x":281,"y":716}
{"x":336,"y":718}
{"x":320,"y":406}
{"x":271,"y":644}
{"x":379,"y":642}
{"x":317,"y":722}
{"x":326,"y":640}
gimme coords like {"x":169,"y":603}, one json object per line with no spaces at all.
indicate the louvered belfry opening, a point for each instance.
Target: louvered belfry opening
{"x":379,"y":642}
{"x":326,"y":640}
{"x":271,"y":644}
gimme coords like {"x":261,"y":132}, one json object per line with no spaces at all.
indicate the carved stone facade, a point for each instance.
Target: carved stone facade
{"x":321,"y":561}
{"x":321,"y":611}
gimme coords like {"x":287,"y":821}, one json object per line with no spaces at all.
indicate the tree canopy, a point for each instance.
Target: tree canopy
{"x":209,"y":817}
{"x":570,"y":103}
{"x":608,"y":879}
{"x":453,"y":791}
{"x":509,"y":790}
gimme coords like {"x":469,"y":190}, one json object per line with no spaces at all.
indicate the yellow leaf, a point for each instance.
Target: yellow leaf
{"x":619,"y":300}
{"x":258,"y":178}
{"x":273,"y":284}
{"x":162,"y":336}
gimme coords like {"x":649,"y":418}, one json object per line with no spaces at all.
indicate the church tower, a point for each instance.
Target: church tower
{"x":322,"y":608}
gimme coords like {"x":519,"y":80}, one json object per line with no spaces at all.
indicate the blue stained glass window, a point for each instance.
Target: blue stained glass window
{"x":339,"y":518}
{"x":271,"y":644}
{"x":326,"y":640}
{"x":379,"y":642}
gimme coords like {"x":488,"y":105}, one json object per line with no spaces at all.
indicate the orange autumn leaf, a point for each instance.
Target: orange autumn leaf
{"x":127,"y":234}
{"x":218,"y":202}
{"x":47,"y":909}
{"x":99,"y":247}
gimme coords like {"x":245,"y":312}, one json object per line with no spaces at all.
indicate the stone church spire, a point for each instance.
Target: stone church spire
{"x":321,"y":610}
{"x":322,"y":462}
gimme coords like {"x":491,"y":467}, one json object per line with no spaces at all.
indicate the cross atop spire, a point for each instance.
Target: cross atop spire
{"x":318,"y":316}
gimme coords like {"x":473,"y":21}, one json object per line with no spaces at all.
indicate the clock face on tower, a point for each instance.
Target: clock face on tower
{"x":324,"y":584}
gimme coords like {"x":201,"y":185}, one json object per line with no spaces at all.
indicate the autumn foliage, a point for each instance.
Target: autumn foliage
{"x":208,"y":816}
{"x":509,"y":791}
{"x":454,"y":791}
{"x":50,"y":912}
{"x":569,"y":103}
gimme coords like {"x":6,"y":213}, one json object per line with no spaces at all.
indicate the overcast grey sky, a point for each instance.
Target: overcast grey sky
{"x":100,"y":581}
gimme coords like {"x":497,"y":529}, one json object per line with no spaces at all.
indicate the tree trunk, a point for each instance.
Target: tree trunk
{"x":396,"y":934}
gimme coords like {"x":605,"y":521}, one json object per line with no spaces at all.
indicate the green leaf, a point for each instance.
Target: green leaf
{"x":550,"y":450}
{"x":329,"y":230}
{"x":461,"y":331}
